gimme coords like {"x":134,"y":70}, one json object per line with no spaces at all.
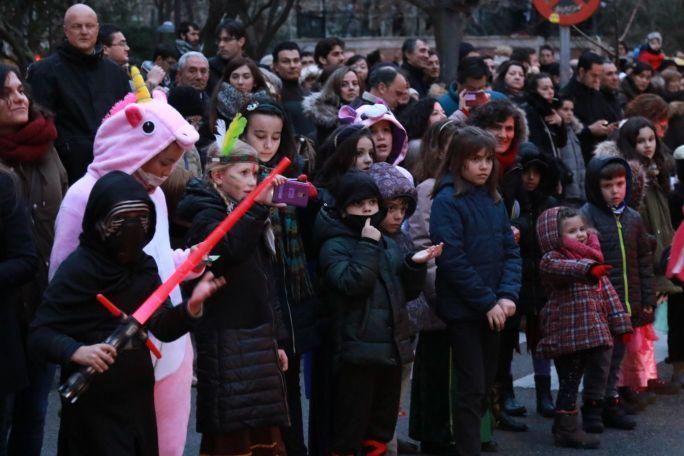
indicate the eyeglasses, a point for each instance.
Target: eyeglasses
{"x":123,"y":43}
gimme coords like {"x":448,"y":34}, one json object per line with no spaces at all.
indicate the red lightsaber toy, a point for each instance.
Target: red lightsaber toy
{"x":133,"y":326}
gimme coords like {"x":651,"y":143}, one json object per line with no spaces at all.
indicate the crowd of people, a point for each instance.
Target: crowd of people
{"x":425,"y":225}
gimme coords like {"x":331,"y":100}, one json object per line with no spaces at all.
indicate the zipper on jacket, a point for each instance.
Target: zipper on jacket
{"x":281,"y":375}
{"x":624,"y":264}
{"x":289,"y":310}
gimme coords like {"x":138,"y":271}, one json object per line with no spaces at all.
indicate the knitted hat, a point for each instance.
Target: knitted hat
{"x":655,"y":36}
{"x":393,"y":184}
{"x":355,"y":186}
{"x":186,"y":100}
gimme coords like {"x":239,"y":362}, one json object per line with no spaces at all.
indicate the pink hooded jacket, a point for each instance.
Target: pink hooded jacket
{"x":129,"y":137}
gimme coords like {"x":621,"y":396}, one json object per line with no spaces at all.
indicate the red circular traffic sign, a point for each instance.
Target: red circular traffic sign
{"x":566,"y":12}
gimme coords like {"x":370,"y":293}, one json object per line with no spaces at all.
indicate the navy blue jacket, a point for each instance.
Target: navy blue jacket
{"x":481,"y":262}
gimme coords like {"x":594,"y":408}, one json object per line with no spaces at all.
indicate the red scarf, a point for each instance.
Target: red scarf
{"x":30,"y":143}
{"x":578,"y":251}
{"x":506,"y":160}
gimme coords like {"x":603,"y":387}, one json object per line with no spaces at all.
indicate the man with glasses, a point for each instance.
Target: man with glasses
{"x":79,"y":86}
{"x":230,"y":39}
{"x":114,"y":45}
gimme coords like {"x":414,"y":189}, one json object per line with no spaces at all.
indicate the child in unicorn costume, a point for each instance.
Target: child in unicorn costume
{"x":142,"y":131}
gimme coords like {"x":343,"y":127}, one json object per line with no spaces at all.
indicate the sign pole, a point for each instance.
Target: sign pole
{"x":564,"y":55}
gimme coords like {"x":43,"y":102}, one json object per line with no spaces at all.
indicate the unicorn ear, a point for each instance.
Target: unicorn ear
{"x":159,"y":95}
{"x":347,"y":114}
{"x":134,"y":115}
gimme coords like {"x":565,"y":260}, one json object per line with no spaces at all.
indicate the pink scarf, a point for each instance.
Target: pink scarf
{"x":578,"y":251}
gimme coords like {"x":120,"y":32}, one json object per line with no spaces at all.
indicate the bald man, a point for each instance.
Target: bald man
{"x":79,"y":86}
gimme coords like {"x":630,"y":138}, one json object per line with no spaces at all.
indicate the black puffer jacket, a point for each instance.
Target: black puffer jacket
{"x":531,"y":204}
{"x":624,"y":242}
{"x":80,"y":90}
{"x":549,"y":139}
{"x":367,"y":284}
{"x":18,"y":264}
{"x":239,"y":382}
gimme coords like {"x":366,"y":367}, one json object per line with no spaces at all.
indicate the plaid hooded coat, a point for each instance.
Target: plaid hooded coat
{"x":581,"y":313}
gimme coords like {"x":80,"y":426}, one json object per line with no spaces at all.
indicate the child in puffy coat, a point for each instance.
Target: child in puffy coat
{"x":581,"y":316}
{"x":366,"y":280}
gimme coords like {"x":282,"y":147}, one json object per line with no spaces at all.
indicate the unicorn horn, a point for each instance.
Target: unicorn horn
{"x":141,"y":92}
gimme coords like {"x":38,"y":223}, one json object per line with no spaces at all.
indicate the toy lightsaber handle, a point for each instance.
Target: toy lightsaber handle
{"x":79,"y":381}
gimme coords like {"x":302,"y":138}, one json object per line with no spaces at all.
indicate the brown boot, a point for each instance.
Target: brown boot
{"x":568,"y":432}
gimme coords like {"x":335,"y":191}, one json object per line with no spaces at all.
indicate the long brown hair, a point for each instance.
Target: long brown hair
{"x":433,"y":149}
{"x":466,"y":145}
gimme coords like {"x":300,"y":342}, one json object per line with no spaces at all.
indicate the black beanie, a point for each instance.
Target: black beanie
{"x":355,"y":186}
{"x":464,"y":49}
{"x":186,"y":100}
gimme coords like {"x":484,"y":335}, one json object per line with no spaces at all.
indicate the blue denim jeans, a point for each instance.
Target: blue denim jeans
{"x":22,"y":414}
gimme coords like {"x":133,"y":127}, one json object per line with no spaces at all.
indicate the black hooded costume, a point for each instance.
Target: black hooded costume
{"x":116,"y":415}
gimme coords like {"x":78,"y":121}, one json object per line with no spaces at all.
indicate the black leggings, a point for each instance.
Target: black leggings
{"x":675,"y":321}
{"x":570,"y":370}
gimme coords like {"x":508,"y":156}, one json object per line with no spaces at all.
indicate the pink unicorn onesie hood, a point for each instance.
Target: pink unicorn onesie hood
{"x":132,"y":134}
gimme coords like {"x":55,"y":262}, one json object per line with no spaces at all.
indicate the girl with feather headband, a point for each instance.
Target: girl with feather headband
{"x":240,"y":394}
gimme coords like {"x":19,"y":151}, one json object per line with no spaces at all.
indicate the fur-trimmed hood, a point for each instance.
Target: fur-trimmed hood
{"x":638,"y":179}
{"x":577,"y":126}
{"x":320,"y":112}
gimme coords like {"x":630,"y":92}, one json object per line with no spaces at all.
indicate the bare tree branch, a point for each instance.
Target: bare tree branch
{"x":631,"y":20}
{"x":257,"y":14}
{"x":593,"y":41}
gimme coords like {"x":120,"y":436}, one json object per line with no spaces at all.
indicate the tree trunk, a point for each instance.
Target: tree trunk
{"x":216,"y":9}
{"x":275,"y":21}
{"x":189,"y":11}
{"x":449,"y":27}
{"x":177,"y":12}
{"x":19,"y":47}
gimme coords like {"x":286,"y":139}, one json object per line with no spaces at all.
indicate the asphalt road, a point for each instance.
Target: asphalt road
{"x":660,"y":429}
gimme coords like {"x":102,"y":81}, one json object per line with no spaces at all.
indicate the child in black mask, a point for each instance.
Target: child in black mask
{"x":367,"y":282}
{"x":116,"y":414}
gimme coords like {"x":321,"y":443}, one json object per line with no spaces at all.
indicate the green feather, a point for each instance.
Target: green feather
{"x":235,"y":129}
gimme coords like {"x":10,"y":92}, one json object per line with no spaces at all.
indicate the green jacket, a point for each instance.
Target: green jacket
{"x":655,"y":213}
{"x":366,"y":285}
